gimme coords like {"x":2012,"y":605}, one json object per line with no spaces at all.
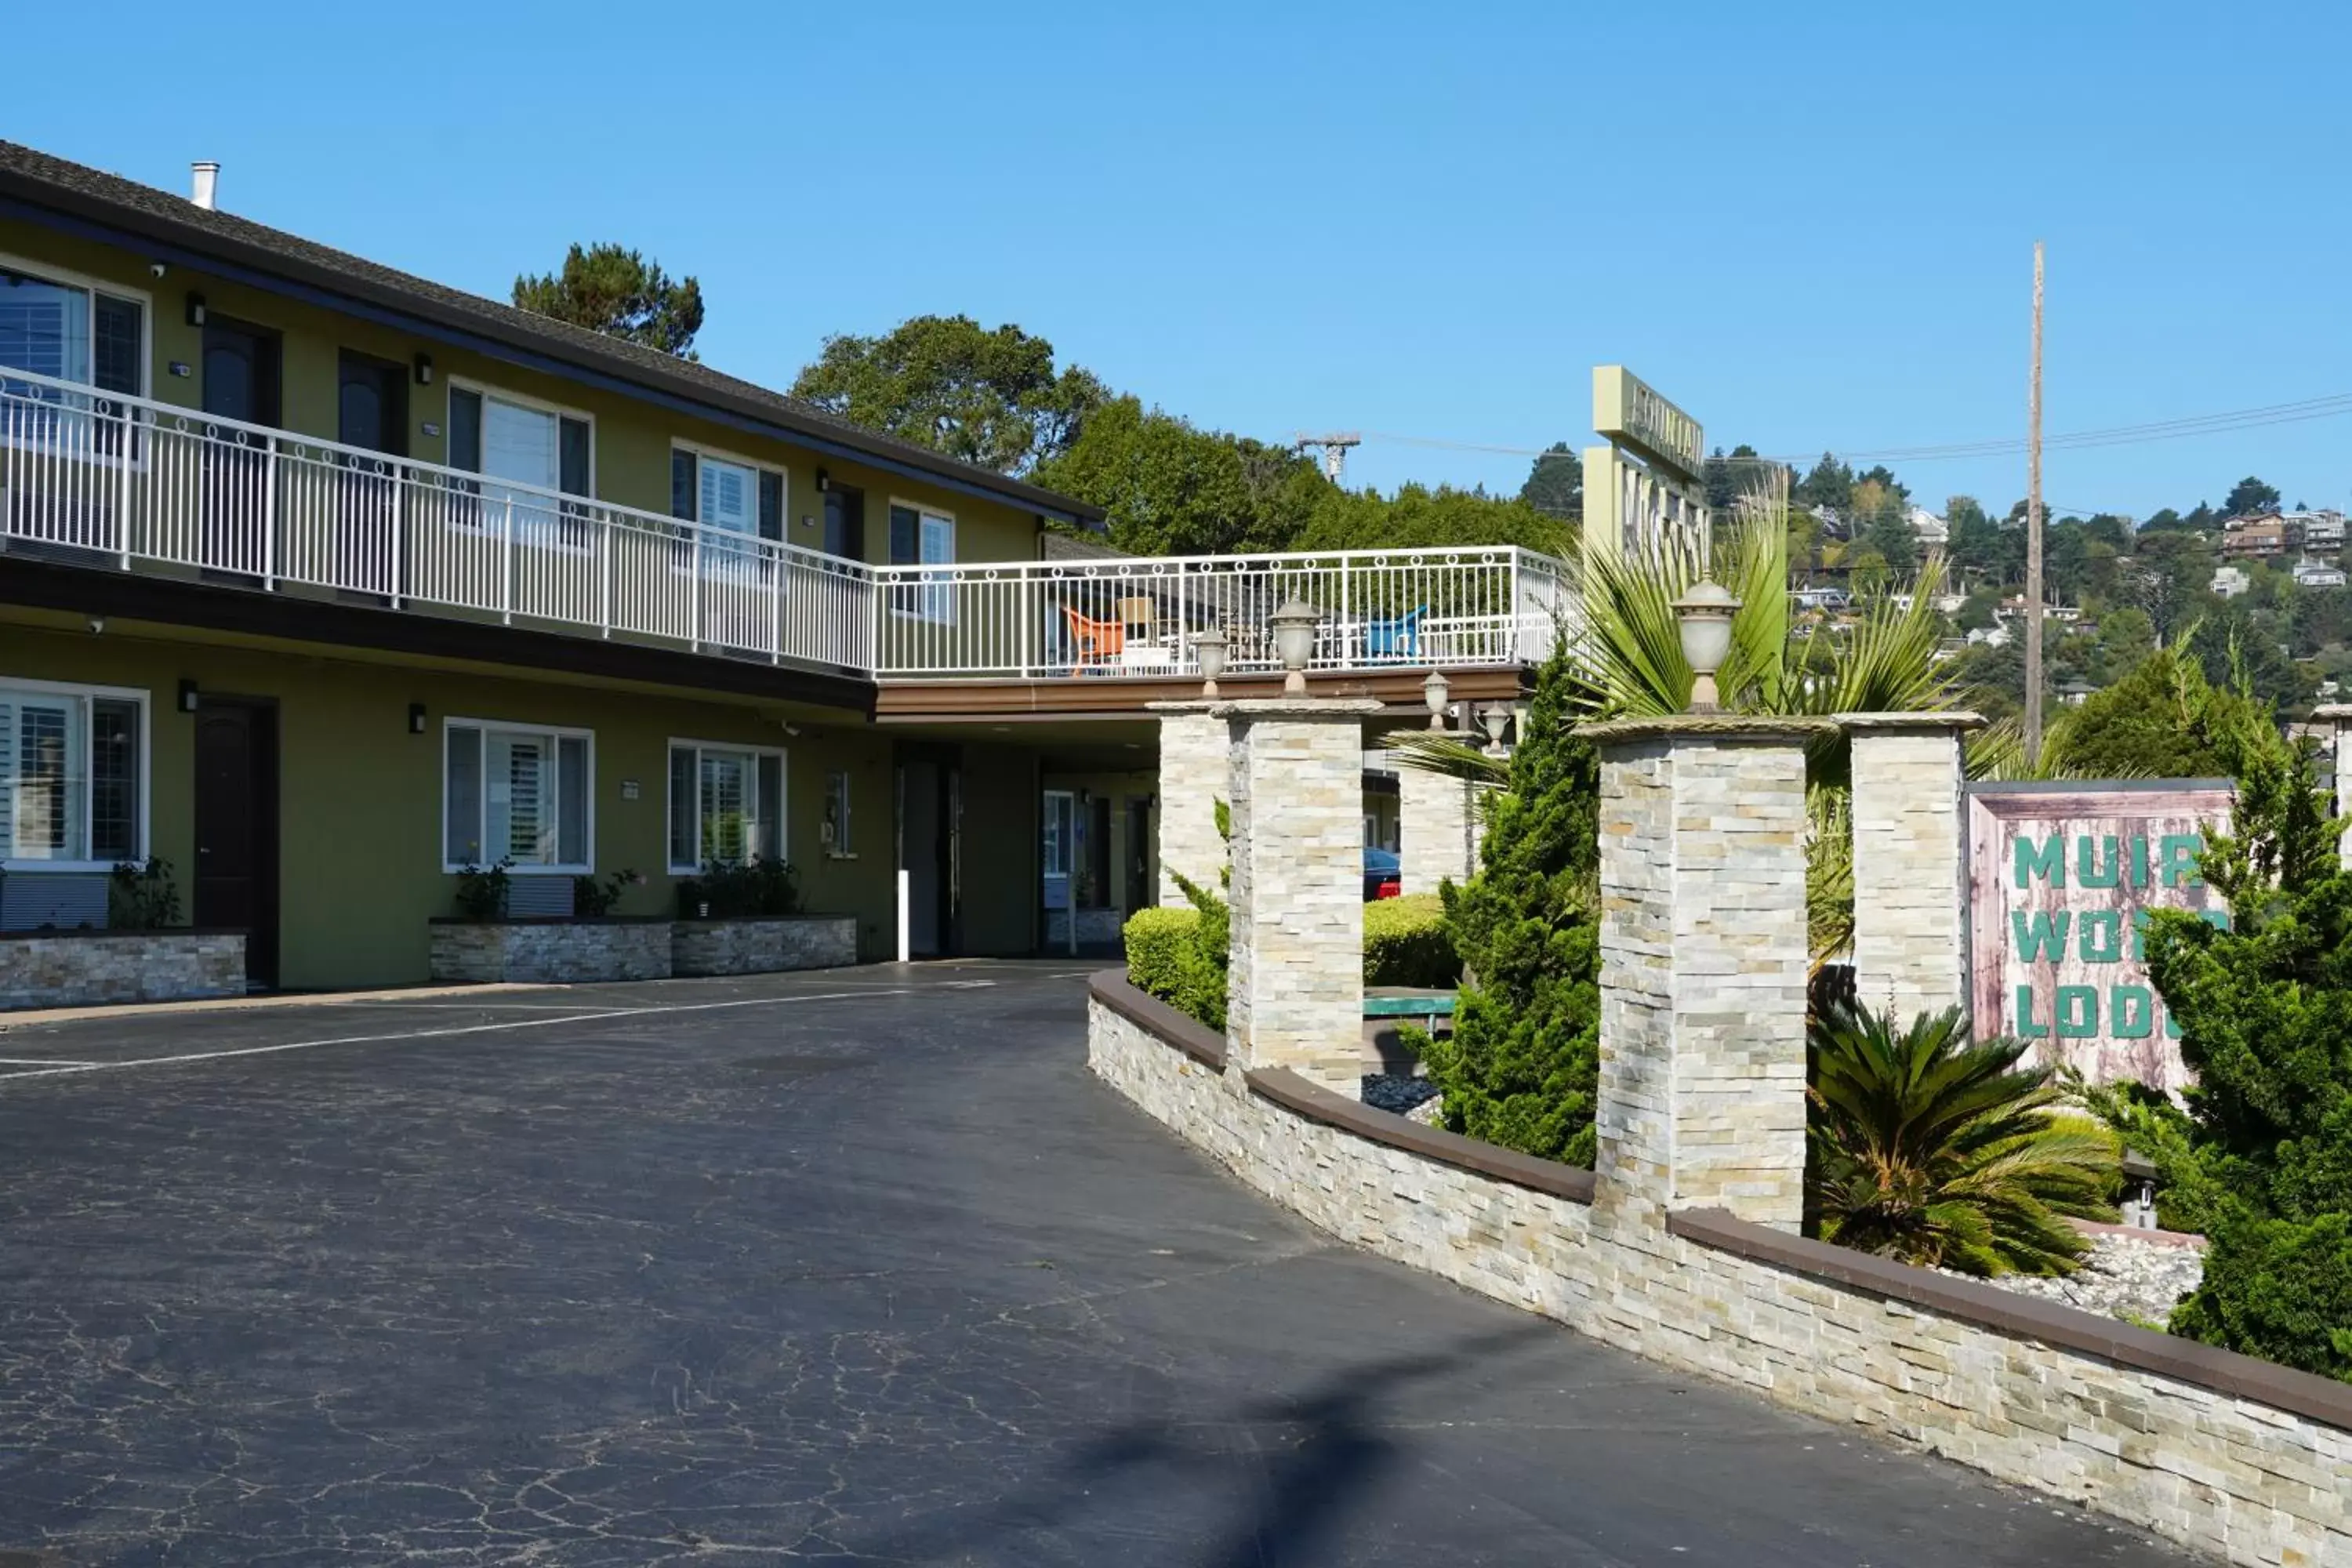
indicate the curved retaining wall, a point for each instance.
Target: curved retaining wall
{"x":2219,"y":1451}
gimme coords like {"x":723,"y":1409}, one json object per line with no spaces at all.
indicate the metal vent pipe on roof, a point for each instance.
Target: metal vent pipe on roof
{"x":206,"y":180}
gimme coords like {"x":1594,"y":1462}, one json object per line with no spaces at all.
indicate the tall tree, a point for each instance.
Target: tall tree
{"x":617,"y":293}
{"x":2250,"y":495}
{"x":992,"y":398}
{"x":1555,"y":482}
{"x":1419,"y":518}
{"x":1830,"y":484}
{"x":1173,"y":488}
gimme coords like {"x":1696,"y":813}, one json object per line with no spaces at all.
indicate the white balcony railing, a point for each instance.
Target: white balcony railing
{"x":101,"y":480}
{"x":1142,"y":617}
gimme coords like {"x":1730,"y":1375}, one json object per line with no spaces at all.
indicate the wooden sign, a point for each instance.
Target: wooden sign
{"x":2060,"y":880}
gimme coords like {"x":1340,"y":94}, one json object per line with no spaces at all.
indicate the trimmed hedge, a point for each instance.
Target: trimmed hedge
{"x":1165,"y":959}
{"x":1405,"y":943}
{"x":1408,"y":943}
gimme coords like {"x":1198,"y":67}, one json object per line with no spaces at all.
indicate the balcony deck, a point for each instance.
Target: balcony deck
{"x":106,"y":482}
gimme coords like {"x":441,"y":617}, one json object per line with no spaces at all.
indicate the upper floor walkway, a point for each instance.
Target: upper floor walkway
{"x":114,"y":482}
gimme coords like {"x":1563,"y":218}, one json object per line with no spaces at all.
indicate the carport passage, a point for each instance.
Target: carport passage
{"x":724,"y":1271}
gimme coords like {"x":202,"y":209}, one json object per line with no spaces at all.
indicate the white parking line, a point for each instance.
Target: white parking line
{"x":62,"y":1070}
{"x":42,"y":1062}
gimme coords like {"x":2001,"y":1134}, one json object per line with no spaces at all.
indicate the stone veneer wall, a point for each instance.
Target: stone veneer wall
{"x":90,"y":969}
{"x":1436,"y":830}
{"x":762,"y":945}
{"x":555,"y":952}
{"x":1703,"y":958}
{"x":1193,"y":744}
{"x":2226,"y":1456}
{"x":1908,"y":901}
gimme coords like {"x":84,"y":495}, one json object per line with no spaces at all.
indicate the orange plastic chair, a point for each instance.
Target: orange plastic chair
{"x":1099,"y":642}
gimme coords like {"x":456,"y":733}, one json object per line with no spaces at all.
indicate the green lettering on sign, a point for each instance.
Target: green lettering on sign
{"x":2048,"y":862}
{"x":2027,"y":1029}
{"x":2177,"y":853}
{"x":2133,"y":1013}
{"x":2087,"y":873}
{"x":2100,"y":936}
{"x":2078,"y":1012}
{"x":2041,"y":934}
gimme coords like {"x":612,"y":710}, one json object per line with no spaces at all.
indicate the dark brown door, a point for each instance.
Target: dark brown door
{"x":372,"y":413}
{"x":236,"y":827}
{"x":241,"y":380}
{"x":844,"y":522}
{"x":1141,"y":893}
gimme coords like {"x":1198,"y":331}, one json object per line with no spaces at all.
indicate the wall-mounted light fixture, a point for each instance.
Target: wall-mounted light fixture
{"x":187,"y":695}
{"x":196,"y":309}
{"x":157,"y":268}
{"x":424,"y":370}
{"x":824,"y":480}
{"x":417,"y":718}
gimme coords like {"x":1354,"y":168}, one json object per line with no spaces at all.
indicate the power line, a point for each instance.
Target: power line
{"x":2331,"y":406}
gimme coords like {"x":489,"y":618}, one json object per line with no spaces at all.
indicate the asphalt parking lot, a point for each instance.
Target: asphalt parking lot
{"x":858,"y":1267}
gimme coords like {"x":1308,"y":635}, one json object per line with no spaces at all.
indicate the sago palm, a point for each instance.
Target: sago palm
{"x":1931,"y":1149}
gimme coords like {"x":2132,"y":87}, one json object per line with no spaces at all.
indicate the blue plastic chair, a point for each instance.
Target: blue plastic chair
{"x":1399,"y":637}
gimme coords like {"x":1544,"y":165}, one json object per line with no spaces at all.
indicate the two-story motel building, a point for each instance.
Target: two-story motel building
{"x":321,"y":581}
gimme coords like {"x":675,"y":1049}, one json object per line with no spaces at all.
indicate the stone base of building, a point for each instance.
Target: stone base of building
{"x":762,"y":945}
{"x":101,"y":968}
{"x":551,"y":952}
{"x":2214,"y":1450}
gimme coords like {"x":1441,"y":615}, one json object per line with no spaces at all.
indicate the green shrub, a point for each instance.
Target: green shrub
{"x":2265,"y":1016}
{"x":1408,"y":943}
{"x":1522,"y":1067}
{"x":1171,"y":954}
{"x":482,"y":890}
{"x":2278,"y":1289}
{"x":1156,"y":940}
{"x":729,"y":889}
{"x":141,"y":896}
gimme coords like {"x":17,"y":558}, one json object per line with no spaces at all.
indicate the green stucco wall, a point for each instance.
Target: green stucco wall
{"x":632,"y":437}
{"x":361,"y":797}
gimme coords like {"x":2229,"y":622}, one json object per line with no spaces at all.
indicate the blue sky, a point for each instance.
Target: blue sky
{"x":1811,"y":225}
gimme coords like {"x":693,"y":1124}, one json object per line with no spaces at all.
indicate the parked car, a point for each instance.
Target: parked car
{"x":1381,"y":874}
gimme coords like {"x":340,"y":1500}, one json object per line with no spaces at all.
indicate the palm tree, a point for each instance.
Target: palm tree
{"x":1931,"y":1150}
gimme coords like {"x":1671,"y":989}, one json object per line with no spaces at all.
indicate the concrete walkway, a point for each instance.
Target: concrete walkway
{"x":850,"y":1268}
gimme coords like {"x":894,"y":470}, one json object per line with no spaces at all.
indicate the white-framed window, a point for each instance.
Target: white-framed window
{"x":72,"y":328}
{"x":724,"y":491}
{"x":1061,"y":843}
{"x":73,"y":776}
{"x":523,"y":793}
{"x":523,"y":442}
{"x":923,"y":535}
{"x":839,"y":842}
{"x":726,"y":804}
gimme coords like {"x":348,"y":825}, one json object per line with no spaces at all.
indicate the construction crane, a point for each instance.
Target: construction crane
{"x":1335,"y":451}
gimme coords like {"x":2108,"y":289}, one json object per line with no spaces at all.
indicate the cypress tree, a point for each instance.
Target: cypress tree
{"x":1522,"y":1068}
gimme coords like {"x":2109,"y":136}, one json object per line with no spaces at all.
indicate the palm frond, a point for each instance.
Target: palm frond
{"x":1439,"y":752}
{"x":1938,"y":1150}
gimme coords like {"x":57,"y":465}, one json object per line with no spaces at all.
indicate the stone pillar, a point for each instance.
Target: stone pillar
{"x":1296,"y":984}
{"x":1703,"y":967}
{"x":1437,"y":830}
{"x":2339,"y":715}
{"x":1908,"y":899}
{"x":1192,"y":740}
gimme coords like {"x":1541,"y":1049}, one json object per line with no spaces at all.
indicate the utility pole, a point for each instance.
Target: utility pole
{"x":1335,"y":451}
{"x":2034,"y":531}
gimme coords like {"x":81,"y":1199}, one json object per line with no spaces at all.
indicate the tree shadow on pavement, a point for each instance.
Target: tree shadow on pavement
{"x":1330,"y":1444}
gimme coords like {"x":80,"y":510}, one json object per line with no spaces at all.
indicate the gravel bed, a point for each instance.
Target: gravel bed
{"x":2138,"y":1281}
{"x":1399,"y":1092}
